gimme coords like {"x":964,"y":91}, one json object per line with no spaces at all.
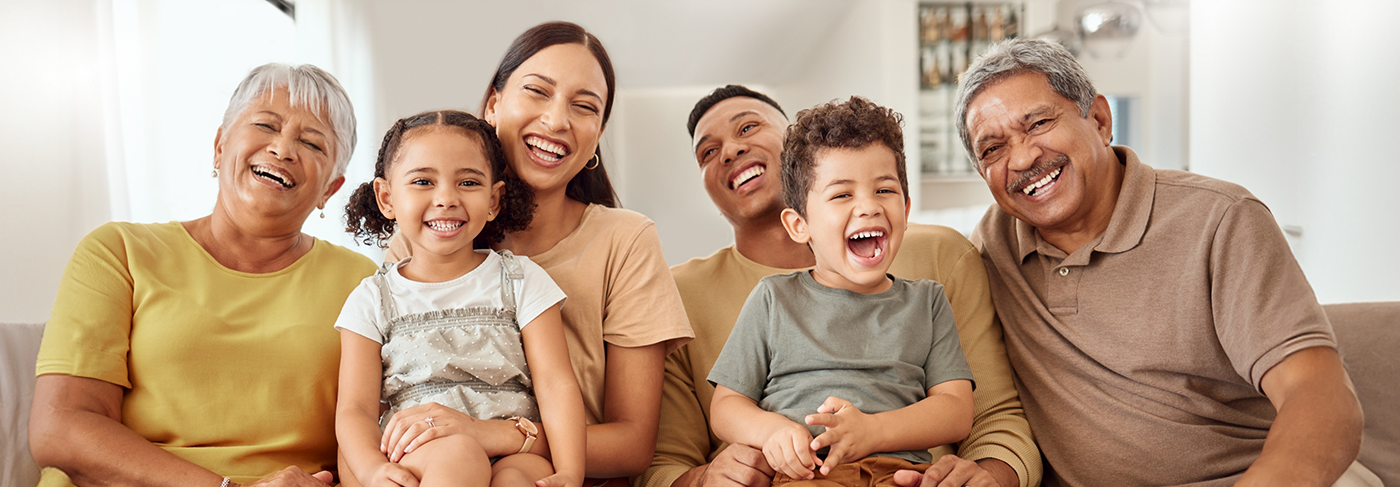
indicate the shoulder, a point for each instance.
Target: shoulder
{"x":1196,"y":187}
{"x":781,"y":284}
{"x":332,"y":255}
{"x":617,"y":221}
{"x":700,"y":269}
{"x":931,"y":252}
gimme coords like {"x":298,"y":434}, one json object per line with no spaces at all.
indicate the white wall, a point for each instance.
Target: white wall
{"x":1297,"y":102}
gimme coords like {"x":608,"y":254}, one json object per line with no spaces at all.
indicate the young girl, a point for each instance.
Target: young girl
{"x":452,"y":324}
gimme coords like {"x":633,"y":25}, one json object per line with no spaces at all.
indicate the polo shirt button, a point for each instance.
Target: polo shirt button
{"x":1064,"y":271}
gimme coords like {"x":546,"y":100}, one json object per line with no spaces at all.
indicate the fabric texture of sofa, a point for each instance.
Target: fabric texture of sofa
{"x":1368,"y":336}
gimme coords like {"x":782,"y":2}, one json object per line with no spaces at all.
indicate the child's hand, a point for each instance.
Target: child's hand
{"x":391,"y":474}
{"x":559,"y":480}
{"x":788,"y":451}
{"x":848,"y":432}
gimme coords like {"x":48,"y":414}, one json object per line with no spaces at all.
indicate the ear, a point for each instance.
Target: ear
{"x":218,"y":145}
{"x":489,"y":113}
{"x":381,"y":196}
{"x":795,"y":225}
{"x":496,"y":191}
{"x":907,"y":207}
{"x":334,"y":186}
{"x":1103,"y":119}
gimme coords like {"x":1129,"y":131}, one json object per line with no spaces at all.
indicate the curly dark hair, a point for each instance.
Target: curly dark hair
{"x":367,"y":223}
{"x":853,"y":124}
{"x":724,"y":93}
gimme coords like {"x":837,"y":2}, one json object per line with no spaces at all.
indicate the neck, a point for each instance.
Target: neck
{"x":556,"y":216}
{"x":252,"y":246}
{"x":765,"y":241}
{"x":429,"y":267}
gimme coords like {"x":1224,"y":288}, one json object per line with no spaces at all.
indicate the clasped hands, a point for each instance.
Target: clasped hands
{"x":849,"y":435}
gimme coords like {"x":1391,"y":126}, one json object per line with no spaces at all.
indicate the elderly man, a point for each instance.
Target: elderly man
{"x":1161,"y":331}
{"x":738,"y":136}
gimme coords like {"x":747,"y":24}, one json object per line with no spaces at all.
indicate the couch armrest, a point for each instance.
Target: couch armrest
{"x":19,"y":347}
{"x":1368,"y":336}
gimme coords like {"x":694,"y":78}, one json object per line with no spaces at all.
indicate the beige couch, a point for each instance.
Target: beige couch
{"x":1369,"y":336}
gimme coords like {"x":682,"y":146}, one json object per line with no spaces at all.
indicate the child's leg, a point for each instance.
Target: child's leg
{"x":450,"y":461}
{"x":520,"y":470}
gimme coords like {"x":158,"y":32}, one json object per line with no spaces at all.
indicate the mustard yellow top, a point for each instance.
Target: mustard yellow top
{"x":235,"y":372}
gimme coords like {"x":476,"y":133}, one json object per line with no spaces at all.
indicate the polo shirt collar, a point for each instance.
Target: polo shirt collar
{"x":1130,"y":214}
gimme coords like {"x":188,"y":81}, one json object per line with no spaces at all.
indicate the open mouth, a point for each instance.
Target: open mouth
{"x":1034,"y":188}
{"x":545,"y":150}
{"x":275,"y":175}
{"x":747,"y":175}
{"x":445,"y":225}
{"x":867,"y":244}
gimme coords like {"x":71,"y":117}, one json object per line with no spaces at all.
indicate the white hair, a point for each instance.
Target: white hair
{"x":307,"y":87}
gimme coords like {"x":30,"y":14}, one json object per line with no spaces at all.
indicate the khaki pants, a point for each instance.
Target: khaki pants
{"x":869,"y":472}
{"x":1358,"y":475}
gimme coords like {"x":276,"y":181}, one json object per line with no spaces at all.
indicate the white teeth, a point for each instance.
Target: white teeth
{"x":878,"y":251}
{"x":867,"y":234}
{"x":1030,"y":188}
{"x":745,"y":176}
{"x":275,"y":175}
{"x":547,"y":146}
{"x":443,"y":226}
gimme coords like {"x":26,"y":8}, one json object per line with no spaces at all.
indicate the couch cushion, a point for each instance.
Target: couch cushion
{"x":1368,"y":335}
{"x":19,"y":348}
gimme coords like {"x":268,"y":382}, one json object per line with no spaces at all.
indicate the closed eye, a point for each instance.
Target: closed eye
{"x":313,"y":146}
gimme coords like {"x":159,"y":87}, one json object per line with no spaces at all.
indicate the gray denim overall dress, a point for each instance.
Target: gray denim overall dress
{"x":469,"y":359}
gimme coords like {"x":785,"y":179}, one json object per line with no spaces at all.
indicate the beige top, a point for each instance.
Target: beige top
{"x":714,"y":289}
{"x":618,"y":288}
{"x":1140,"y":354}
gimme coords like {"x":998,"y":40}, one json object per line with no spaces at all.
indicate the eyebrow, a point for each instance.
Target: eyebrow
{"x":551,"y":82}
{"x":732,"y":119}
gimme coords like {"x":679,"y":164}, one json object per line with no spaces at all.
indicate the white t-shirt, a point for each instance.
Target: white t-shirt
{"x":534,"y":294}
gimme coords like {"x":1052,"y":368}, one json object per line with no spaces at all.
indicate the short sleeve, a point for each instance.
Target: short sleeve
{"x":361,"y":314}
{"x":89,"y":330}
{"x":1263,"y":305}
{"x":536,"y":293}
{"x":643,"y":305}
{"x":945,"y":360}
{"x":743,"y":364}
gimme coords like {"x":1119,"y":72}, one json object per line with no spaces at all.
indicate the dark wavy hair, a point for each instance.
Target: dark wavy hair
{"x":852,"y":124}
{"x":724,"y":93}
{"x":367,"y":223}
{"x":589,"y":185}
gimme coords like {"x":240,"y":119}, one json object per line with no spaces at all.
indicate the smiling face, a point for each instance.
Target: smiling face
{"x":275,"y":162}
{"x":856,"y":216}
{"x":550,"y":114}
{"x":440,"y":193}
{"x":738,"y":143}
{"x":1044,"y":163}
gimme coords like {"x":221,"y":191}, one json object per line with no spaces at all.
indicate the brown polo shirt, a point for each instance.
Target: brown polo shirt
{"x":1139,"y":356}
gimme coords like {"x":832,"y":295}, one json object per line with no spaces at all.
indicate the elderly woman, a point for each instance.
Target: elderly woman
{"x":201,"y":353}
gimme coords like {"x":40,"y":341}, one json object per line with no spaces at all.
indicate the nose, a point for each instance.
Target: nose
{"x":733,"y":150}
{"x":1023,"y":156}
{"x":556,"y":116}
{"x":868,"y":206}
{"x":283,"y":147}
{"x":445,"y":196}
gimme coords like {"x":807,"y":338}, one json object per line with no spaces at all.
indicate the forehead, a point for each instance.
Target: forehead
{"x":873,"y":161}
{"x":723,"y":114}
{"x":446,"y":148}
{"x":1010,"y":99}
{"x":278,"y":101}
{"x":572,"y":66}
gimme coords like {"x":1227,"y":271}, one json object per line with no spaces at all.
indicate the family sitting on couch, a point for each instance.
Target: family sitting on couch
{"x":1107,"y":324}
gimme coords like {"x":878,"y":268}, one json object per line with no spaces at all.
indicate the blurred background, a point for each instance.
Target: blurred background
{"x":108,"y":108}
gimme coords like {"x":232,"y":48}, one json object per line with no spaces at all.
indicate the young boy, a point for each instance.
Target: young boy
{"x":844,"y":367}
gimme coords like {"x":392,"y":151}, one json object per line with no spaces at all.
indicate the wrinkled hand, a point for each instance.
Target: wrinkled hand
{"x":294,"y":477}
{"x":949,"y":471}
{"x":409,"y":429}
{"x":788,"y":450}
{"x":737,"y":465}
{"x":559,"y":480}
{"x":848,"y":432}
{"x":391,"y":474}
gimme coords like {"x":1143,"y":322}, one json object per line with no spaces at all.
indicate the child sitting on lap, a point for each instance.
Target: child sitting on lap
{"x":844,"y":367}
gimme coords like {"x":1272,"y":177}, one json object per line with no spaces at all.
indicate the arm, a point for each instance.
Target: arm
{"x":357,"y":413}
{"x":853,"y":435}
{"x":1317,"y":433}
{"x":561,"y":403}
{"x":786,"y":445}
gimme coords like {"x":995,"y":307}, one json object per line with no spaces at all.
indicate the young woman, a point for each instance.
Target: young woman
{"x":549,"y":100}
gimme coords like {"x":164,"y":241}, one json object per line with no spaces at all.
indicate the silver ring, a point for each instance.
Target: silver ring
{"x":430,"y":422}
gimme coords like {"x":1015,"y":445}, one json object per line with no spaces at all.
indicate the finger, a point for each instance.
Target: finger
{"x":402,"y":476}
{"x":427,"y":435}
{"x":324,"y":476}
{"x":793,"y":463}
{"x":908,"y":478}
{"x":397,"y":448}
{"x":804,"y":454}
{"x":550,"y":481}
{"x":392,"y":430}
{"x":823,"y":440}
{"x":821,"y":419}
{"x":751,"y":458}
{"x":961,"y":474}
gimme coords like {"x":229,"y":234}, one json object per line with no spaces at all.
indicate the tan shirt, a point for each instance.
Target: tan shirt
{"x":618,"y":288}
{"x":714,"y":289}
{"x":1140,"y":355}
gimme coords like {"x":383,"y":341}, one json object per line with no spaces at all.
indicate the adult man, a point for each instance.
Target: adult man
{"x":738,"y":137}
{"x":1156,"y":319}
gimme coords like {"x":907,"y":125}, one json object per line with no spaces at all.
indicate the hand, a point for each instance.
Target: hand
{"x":559,"y":480}
{"x":737,"y":465}
{"x":849,"y":432}
{"x":391,"y":474}
{"x":788,"y":450}
{"x":949,"y":471}
{"x":409,"y":428}
{"x":294,"y":477}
